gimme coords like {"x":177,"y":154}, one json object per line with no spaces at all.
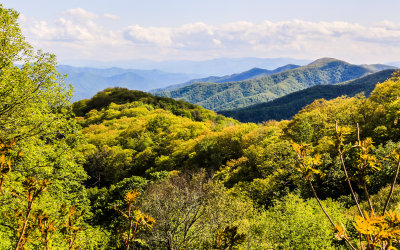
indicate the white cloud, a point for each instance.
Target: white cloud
{"x":152,"y":36}
{"x":111,"y":16}
{"x":80,"y":14}
{"x":78,"y":33}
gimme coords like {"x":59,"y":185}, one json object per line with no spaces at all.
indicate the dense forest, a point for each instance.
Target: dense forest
{"x":233,"y":95}
{"x":249,"y":74}
{"x":129,"y":170}
{"x":287,"y":106}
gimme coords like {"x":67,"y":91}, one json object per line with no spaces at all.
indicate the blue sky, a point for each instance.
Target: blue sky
{"x":103,"y":30}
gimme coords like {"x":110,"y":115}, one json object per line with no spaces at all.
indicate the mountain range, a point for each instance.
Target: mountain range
{"x":218,"y":66}
{"x":237,"y":94}
{"x":148,"y":75}
{"x":88,"y":81}
{"x":249,"y":74}
{"x":287,"y":106}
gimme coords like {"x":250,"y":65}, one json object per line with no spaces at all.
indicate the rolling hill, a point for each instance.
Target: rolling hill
{"x":287,"y":106}
{"x":233,"y":95}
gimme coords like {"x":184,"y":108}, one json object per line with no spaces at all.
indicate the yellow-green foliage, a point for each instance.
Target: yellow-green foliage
{"x":295,"y":223}
{"x":133,"y":138}
{"x":46,"y":170}
{"x":257,"y":161}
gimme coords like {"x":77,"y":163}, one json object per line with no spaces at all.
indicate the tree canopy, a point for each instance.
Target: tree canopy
{"x":43,"y":180}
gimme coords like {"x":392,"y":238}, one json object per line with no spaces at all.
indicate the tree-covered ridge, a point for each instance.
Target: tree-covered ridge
{"x":138,"y":129}
{"x":246,"y":75}
{"x":119,"y":95}
{"x":287,"y":106}
{"x":231,"y":95}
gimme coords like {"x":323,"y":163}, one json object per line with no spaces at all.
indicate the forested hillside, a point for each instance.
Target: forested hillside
{"x":249,"y":74}
{"x":129,"y":170}
{"x":287,"y":106}
{"x":254,"y":164}
{"x":231,"y":95}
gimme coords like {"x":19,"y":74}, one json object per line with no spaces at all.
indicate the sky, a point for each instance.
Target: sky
{"x":358,"y":31}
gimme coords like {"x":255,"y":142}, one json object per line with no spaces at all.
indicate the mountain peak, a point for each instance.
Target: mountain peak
{"x":255,"y":70}
{"x":324,"y":61}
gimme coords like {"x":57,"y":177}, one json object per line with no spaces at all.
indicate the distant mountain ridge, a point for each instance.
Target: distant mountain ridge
{"x":88,"y":81}
{"x":287,"y":106}
{"x":210,"y":67}
{"x":233,"y":95}
{"x":249,"y":74}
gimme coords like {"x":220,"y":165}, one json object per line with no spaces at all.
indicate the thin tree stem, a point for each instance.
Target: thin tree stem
{"x":349,"y":183}
{"x":319,"y":202}
{"x":72,"y":242}
{"x":1,"y":183}
{"x":30,"y":205}
{"x":368,"y":198}
{"x":170,"y":242}
{"x":363,"y":179}
{"x":392,"y":186}
{"x":326,"y":213}
{"x":47,"y":241}
{"x":130,"y":227}
{"x":347,"y":177}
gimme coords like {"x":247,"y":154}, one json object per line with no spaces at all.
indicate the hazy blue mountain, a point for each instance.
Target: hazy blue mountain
{"x":217,"y":67}
{"x":88,"y":81}
{"x":397,"y":64}
{"x":249,"y":74}
{"x":287,"y":106}
{"x":232,"y":95}
{"x":378,"y":67}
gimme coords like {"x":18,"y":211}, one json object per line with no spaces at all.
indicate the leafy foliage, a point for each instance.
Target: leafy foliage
{"x":379,"y":230}
{"x":40,"y":168}
{"x":122,"y":95}
{"x":295,"y":223}
{"x":137,"y":220}
{"x":229,"y":238}
{"x":190,"y":211}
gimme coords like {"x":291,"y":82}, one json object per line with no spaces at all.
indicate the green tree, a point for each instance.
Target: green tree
{"x":35,"y":114}
{"x":190,"y":211}
{"x":34,"y":96}
{"x":296,"y":223}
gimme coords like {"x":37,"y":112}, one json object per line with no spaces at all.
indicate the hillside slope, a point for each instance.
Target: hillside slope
{"x":232,"y":95}
{"x":103,"y":99}
{"x":287,"y":106}
{"x":246,"y":75}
